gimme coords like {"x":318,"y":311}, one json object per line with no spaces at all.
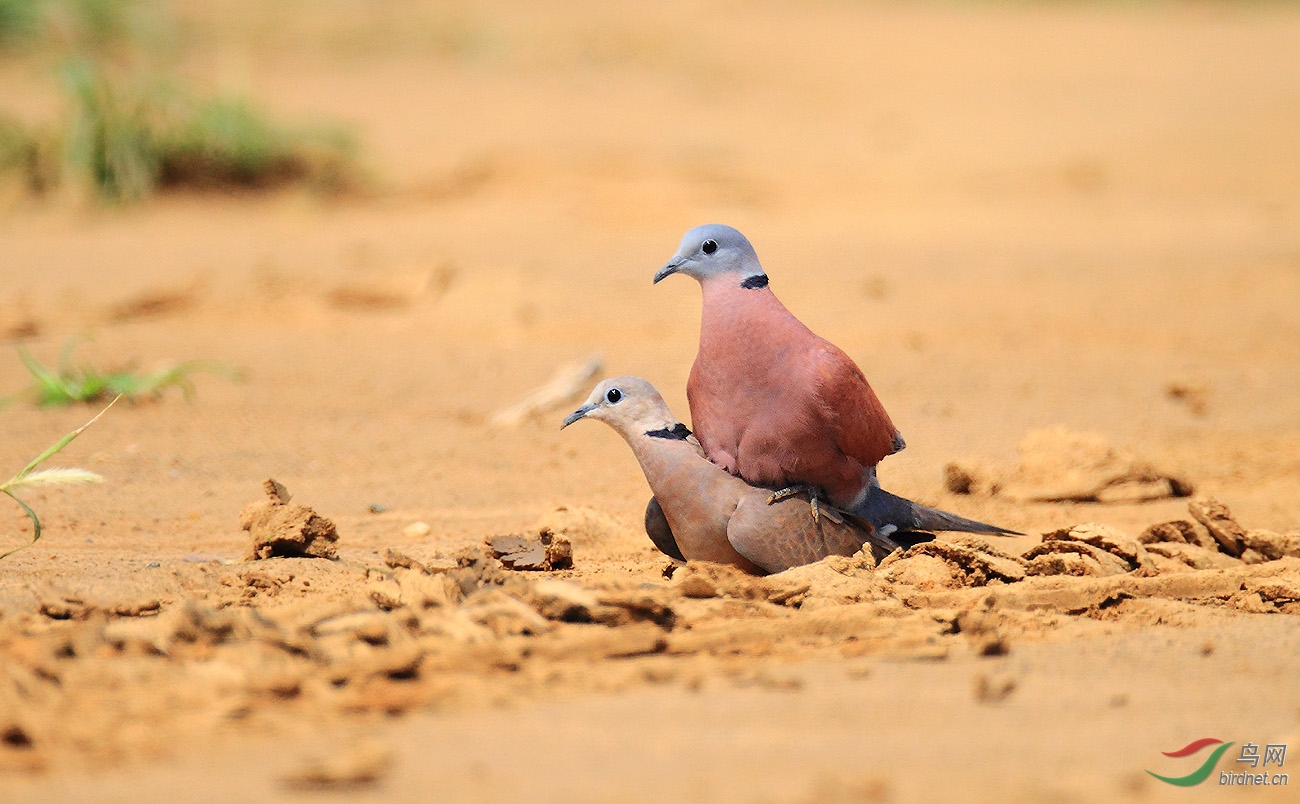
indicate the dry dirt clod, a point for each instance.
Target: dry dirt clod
{"x":15,"y":737}
{"x":368,"y":626}
{"x":1193,"y":556}
{"x":280,"y":680}
{"x":595,"y":644}
{"x":993,"y":644}
{"x":1072,"y":559}
{"x":1194,"y":396}
{"x":952,"y":564}
{"x":276,"y":491}
{"x":1252,"y":556}
{"x":502,"y":614}
{"x":420,"y":591}
{"x":695,"y":586}
{"x":386,"y":593}
{"x":64,"y":606}
{"x":963,"y":479}
{"x":547,"y":552}
{"x":518,"y":552}
{"x":1218,"y":520}
{"x":1112,"y":540}
{"x":394,"y":559}
{"x":561,"y":600}
{"x":985,"y":632}
{"x":993,"y":689}
{"x":623,"y":607}
{"x":189,"y":622}
{"x":283,"y":529}
{"x":769,"y":678}
{"x":1180,"y":530}
{"x":1282,"y":594}
{"x":559,"y":551}
{"x":347,"y":769}
{"x":19,"y":748}
{"x":1272,"y":546}
{"x":1114,"y":550}
{"x":704,"y":579}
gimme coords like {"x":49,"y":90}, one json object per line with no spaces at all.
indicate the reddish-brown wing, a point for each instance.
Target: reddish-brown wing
{"x":862,"y":428}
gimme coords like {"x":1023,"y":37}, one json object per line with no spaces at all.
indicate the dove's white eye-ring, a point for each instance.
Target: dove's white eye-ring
{"x":709,"y":246}
{"x":613,"y":395}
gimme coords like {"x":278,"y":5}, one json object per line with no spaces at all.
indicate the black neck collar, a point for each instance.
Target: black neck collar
{"x":678,"y":432}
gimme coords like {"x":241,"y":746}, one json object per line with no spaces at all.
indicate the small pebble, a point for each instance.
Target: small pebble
{"x":377,"y":508}
{"x":416,"y":530}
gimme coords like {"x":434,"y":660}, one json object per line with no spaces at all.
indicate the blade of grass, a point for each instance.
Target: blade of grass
{"x":65,"y":356}
{"x":27,"y":474}
{"x":60,"y":444}
{"x":36,"y":526}
{"x":41,"y":372}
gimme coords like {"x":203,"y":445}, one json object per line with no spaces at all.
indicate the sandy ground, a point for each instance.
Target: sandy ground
{"x":1013,"y":216}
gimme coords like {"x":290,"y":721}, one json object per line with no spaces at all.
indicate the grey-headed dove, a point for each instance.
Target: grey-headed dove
{"x":779,"y":406}
{"x":707,"y":513}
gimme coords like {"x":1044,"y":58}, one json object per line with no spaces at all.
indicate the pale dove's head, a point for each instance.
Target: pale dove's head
{"x":630,"y":405}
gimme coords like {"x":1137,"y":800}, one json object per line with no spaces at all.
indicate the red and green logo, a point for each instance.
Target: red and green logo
{"x":1207,"y":767}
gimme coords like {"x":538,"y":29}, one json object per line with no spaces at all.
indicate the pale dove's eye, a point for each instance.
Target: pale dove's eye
{"x":613,"y":396}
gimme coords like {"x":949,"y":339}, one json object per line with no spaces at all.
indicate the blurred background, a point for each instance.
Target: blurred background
{"x":351,"y":231}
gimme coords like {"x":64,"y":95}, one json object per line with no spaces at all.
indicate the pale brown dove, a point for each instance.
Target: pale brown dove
{"x":712,"y":515}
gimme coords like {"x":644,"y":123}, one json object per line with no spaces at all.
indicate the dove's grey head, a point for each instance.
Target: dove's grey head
{"x":712,"y":251}
{"x":628,"y":404}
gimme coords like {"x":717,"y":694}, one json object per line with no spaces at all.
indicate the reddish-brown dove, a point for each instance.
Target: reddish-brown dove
{"x":708,"y":514}
{"x":779,"y":406}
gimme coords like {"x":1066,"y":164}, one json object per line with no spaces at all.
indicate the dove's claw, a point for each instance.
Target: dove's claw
{"x":816,"y":501}
{"x":778,"y":496}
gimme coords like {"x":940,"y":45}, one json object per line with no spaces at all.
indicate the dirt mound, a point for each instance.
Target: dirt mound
{"x":1059,"y":465}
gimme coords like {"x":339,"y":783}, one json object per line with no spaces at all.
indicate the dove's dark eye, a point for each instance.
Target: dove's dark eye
{"x":613,"y":395}
{"x":709,"y":246}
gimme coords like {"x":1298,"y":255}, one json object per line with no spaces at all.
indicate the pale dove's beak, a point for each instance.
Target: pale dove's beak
{"x":580,"y":413}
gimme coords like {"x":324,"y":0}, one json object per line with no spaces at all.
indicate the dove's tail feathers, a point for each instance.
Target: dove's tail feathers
{"x":883,"y":509}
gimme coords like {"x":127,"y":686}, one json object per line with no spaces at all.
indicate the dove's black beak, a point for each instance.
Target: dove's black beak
{"x":668,"y":270}
{"x":580,"y":413}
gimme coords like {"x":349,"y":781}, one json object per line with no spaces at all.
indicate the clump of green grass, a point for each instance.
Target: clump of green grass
{"x":70,"y":384}
{"x":127,"y":141}
{"x":130,"y":130}
{"x":110,"y":140}
{"x":228,"y":142}
{"x":30,"y":475}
